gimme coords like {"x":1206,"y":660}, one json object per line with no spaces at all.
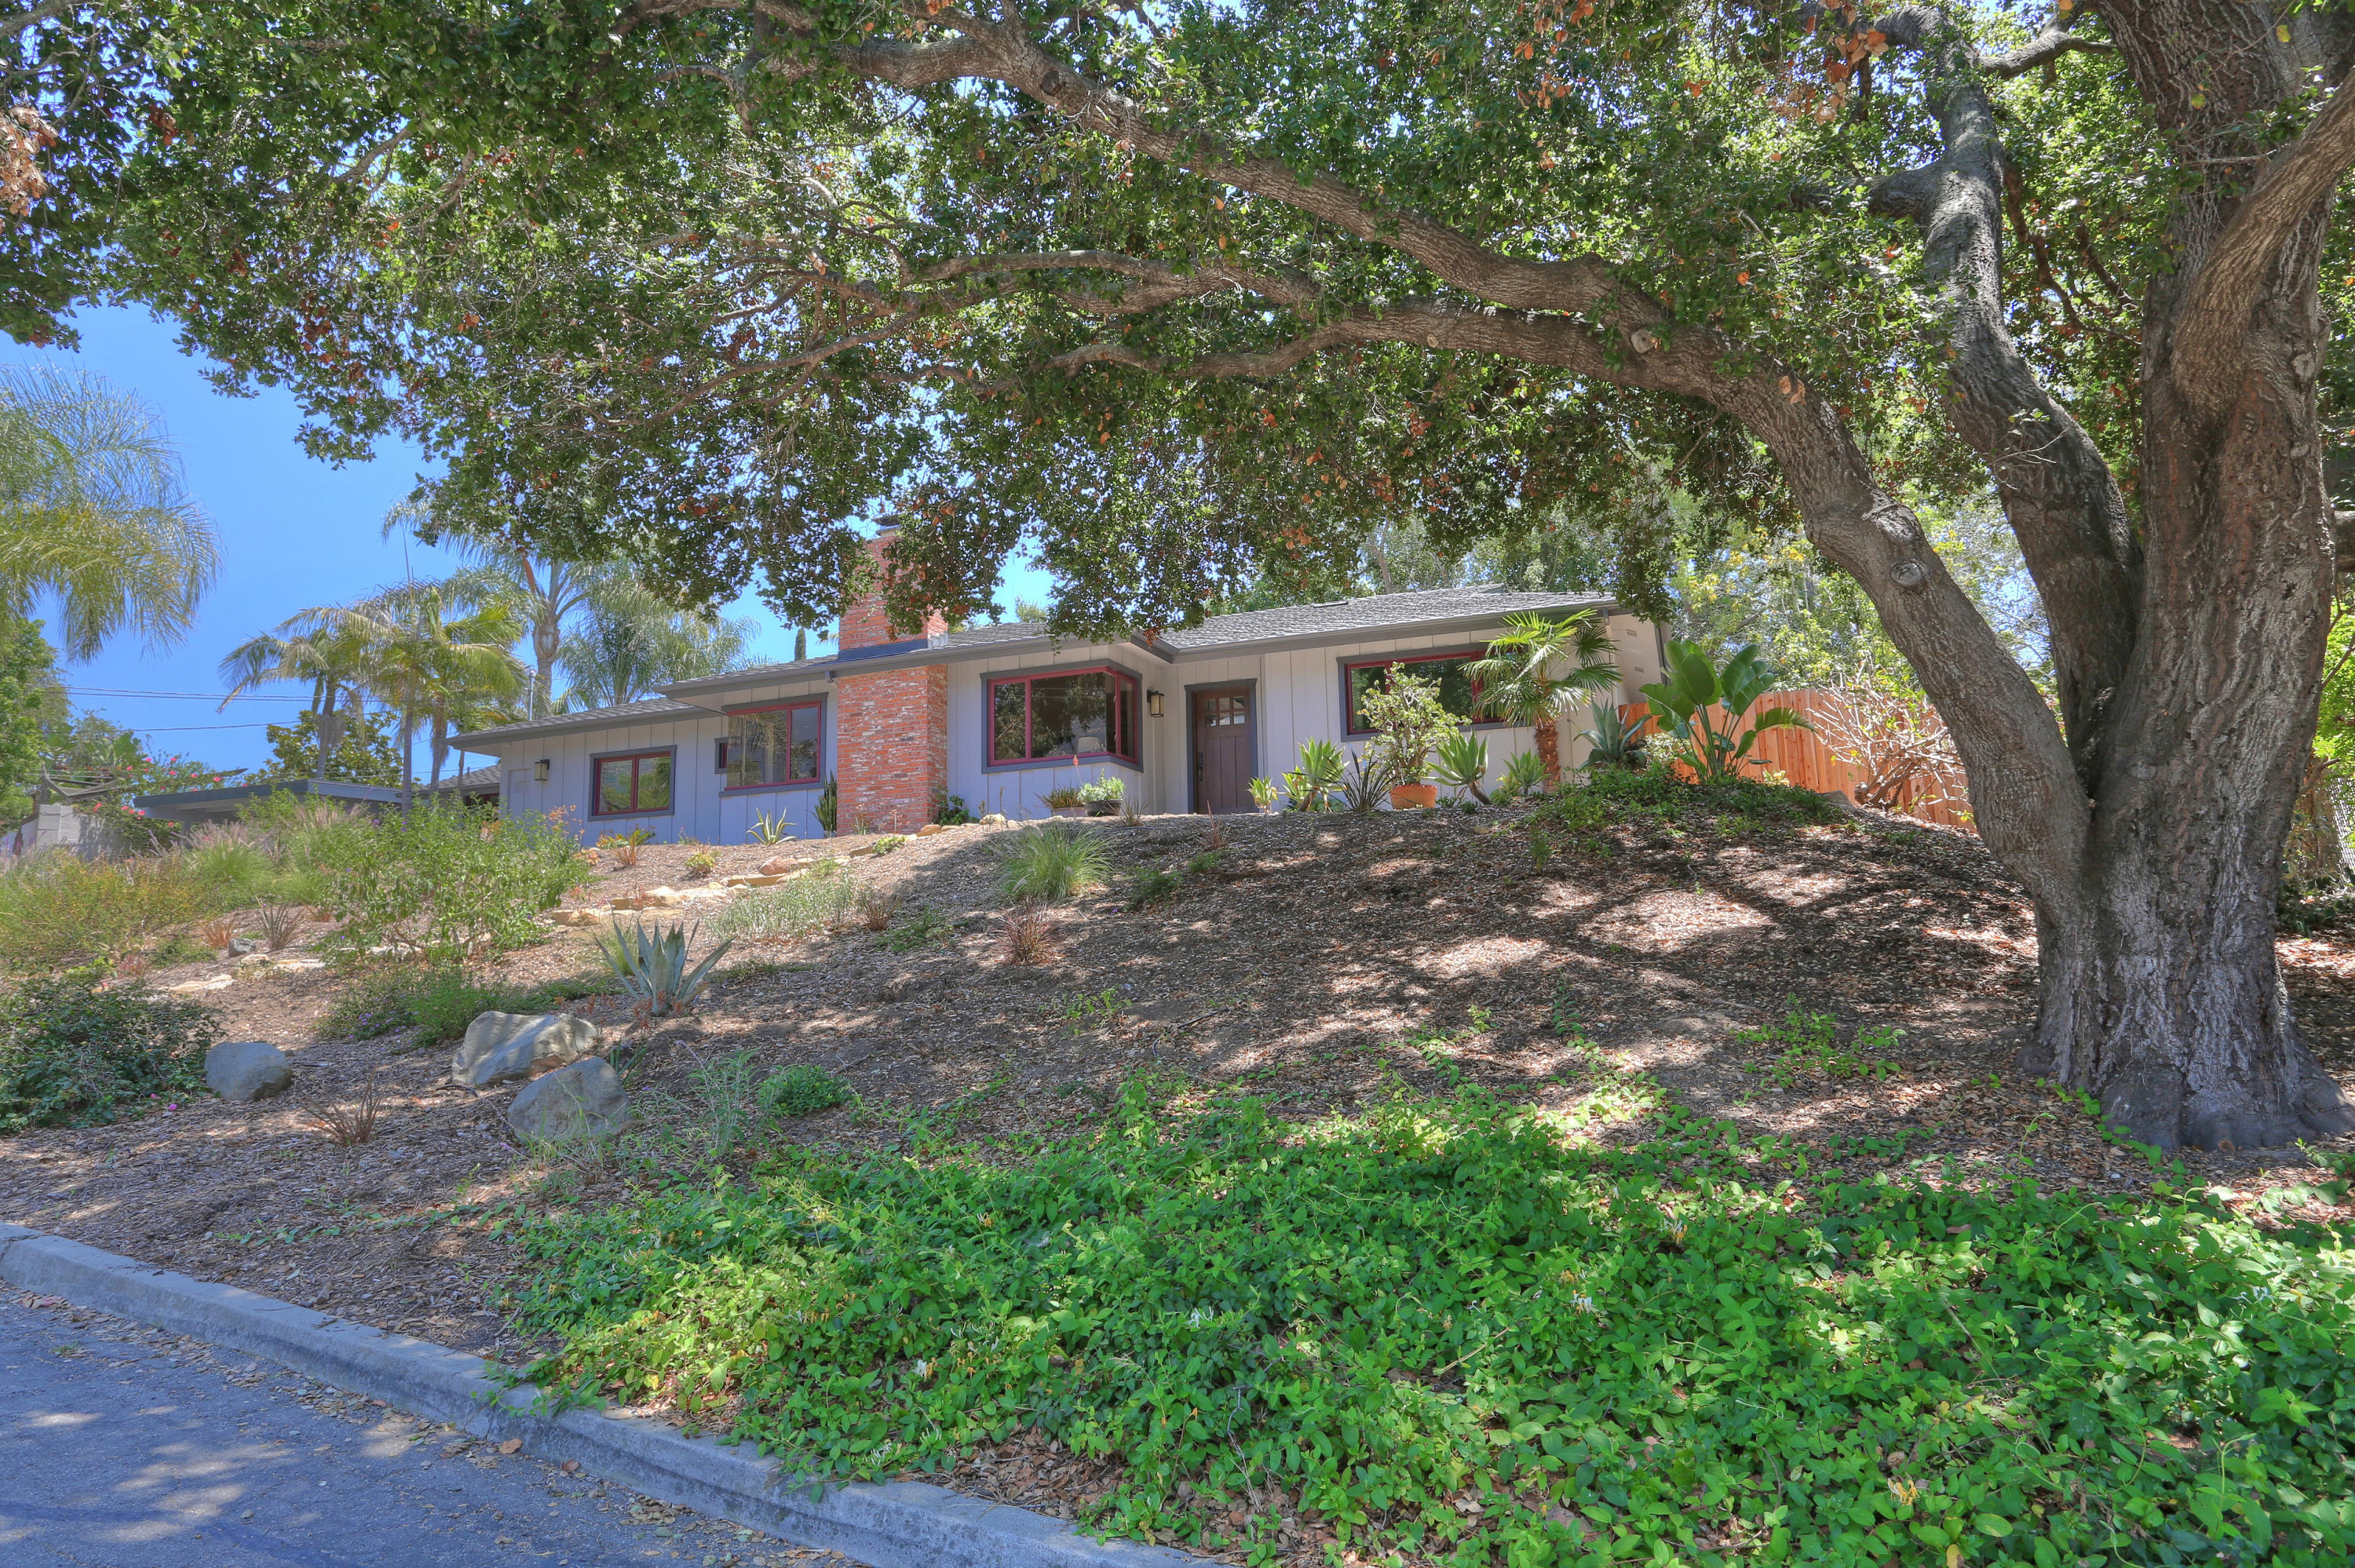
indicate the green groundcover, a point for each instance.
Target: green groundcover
{"x":1449,"y":1334}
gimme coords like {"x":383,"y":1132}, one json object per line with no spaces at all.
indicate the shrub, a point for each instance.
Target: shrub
{"x":803,"y":1090}
{"x":437,"y":1005}
{"x":1049,"y":864}
{"x":1027,"y":938}
{"x":1062,"y":797}
{"x":623,"y":847}
{"x":771,"y":829}
{"x":438,"y":886}
{"x":949,"y":811}
{"x":1524,"y":775}
{"x":827,"y":809}
{"x":1152,"y":885}
{"x":925,"y":927}
{"x":1461,"y":763}
{"x":702,"y":863}
{"x":72,"y":1055}
{"x":1409,"y":725}
{"x":876,"y":907}
{"x":1656,"y":796}
{"x":277,"y":925}
{"x":1619,"y":1353}
{"x":815,"y":902}
{"x":58,"y":909}
{"x":233,"y":870}
{"x":1320,"y":773}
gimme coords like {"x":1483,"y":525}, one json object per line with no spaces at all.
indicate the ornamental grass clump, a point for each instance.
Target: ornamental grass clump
{"x":1046,"y":865}
{"x":817,"y":901}
{"x":1652,"y":1354}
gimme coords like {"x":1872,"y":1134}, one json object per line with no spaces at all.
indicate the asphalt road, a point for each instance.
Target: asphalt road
{"x":125,"y":1447}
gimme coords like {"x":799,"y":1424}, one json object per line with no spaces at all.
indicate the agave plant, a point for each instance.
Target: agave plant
{"x":1524,"y":775}
{"x":1716,"y":748}
{"x":651,"y":964}
{"x":1460,"y":762}
{"x":1612,"y":742}
{"x":1319,"y":772}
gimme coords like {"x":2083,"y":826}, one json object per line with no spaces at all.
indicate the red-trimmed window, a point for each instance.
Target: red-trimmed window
{"x":769,"y":747}
{"x":1459,"y":694}
{"x":630,"y":784}
{"x":1071,"y":712}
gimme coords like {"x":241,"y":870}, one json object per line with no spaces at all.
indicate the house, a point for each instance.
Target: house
{"x":999,"y":715}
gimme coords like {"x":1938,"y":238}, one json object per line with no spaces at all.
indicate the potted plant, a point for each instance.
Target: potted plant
{"x":1064,"y":800}
{"x":1103,"y":798}
{"x":1409,"y":725}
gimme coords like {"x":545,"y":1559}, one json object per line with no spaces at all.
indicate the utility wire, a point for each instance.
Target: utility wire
{"x":200,"y":696}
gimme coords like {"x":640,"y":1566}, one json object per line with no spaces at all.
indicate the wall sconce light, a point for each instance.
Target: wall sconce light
{"x":1153,"y":704}
{"x":540,"y":772}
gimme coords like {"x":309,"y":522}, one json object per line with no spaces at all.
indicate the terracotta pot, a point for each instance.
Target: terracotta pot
{"x":1409,"y":796}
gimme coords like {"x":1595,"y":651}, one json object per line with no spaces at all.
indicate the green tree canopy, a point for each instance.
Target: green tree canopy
{"x":1189,"y":292}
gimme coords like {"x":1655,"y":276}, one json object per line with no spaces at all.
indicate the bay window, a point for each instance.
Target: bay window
{"x":1071,"y":712}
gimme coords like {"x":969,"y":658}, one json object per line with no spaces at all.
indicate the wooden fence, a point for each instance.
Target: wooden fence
{"x":1806,"y":758}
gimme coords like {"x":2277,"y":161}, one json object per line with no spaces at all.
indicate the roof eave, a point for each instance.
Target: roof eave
{"x":1436,"y":626}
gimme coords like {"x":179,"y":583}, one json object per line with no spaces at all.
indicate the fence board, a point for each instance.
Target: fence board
{"x":1801,"y":757}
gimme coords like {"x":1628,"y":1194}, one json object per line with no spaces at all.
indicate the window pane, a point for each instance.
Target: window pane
{"x":613,"y":785}
{"x":1456,"y":692}
{"x":807,"y":725}
{"x":1009,"y":722}
{"x":654,"y":783}
{"x":748,"y":749}
{"x":1125,"y":730}
{"x":1070,"y":715}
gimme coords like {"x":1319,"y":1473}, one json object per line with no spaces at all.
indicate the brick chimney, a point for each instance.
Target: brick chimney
{"x":892,"y":728}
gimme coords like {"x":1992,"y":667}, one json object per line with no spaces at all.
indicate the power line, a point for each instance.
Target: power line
{"x":201,"y":696}
{"x":177,"y":728}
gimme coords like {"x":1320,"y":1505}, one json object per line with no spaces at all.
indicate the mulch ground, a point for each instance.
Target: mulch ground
{"x":1320,"y":961}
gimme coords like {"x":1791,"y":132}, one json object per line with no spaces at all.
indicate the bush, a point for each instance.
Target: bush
{"x":1047,"y":864}
{"x":447,"y":885}
{"x":74,"y":1056}
{"x":803,"y":1090}
{"x":1637,"y":1354}
{"x":437,"y":1005}
{"x":817,"y":901}
{"x":60,"y":909}
{"x":1657,"y":796}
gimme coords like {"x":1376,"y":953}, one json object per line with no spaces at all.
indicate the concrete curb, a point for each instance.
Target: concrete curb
{"x":896,"y":1524}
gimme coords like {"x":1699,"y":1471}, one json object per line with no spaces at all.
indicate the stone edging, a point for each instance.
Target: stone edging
{"x":896,"y":1524}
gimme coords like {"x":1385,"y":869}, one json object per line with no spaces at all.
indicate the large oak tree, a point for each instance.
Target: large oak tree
{"x":1185,"y":291}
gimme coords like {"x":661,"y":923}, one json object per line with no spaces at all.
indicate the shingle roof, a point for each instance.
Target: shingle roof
{"x":653,"y":708}
{"x":1334,"y":618}
{"x":1376,"y":612}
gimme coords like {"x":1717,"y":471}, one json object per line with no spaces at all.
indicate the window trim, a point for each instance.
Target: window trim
{"x":815,"y":780}
{"x":597,"y":761}
{"x":1477,"y":650}
{"x":989,"y":685}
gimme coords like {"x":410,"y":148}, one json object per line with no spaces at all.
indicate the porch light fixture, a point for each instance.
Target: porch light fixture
{"x":1153,"y":704}
{"x":540,"y":772}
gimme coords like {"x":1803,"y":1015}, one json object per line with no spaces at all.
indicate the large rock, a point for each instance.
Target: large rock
{"x":500,"y":1046}
{"x":247,"y":1070}
{"x":577,"y":916}
{"x":583,"y":1100}
{"x":778,"y":864}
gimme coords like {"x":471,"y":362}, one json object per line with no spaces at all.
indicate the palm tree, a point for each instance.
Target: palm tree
{"x":329,"y":659}
{"x":632,"y":640}
{"x":91,"y":510}
{"x":419,"y":659}
{"x":1538,"y":669}
{"x":542,"y":593}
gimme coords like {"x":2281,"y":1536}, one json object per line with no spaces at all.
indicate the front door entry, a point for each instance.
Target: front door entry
{"x":1224,"y":753}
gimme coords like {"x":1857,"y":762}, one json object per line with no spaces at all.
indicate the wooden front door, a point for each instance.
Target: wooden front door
{"x":1224,"y":753}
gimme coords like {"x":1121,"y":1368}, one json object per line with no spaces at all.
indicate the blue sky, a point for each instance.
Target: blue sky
{"x":293,"y":531}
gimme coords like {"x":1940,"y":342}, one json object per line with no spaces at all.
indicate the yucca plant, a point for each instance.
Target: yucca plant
{"x":651,"y":964}
{"x":1460,"y":761}
{"x":1308,"y":785}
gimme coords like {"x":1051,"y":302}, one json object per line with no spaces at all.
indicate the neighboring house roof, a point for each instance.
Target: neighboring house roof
{"x":474,"y":781}
{"x":1335,"y":620}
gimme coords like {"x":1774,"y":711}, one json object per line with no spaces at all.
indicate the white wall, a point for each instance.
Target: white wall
{"x":1297,"y":695}
{"x":699,"y":809}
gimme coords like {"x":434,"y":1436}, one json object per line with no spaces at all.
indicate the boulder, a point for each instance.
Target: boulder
{"x":582,"y":1100}
{"x":929,"y":829}
{"x":500,"y":1046}
{"x":754,"y":881}
{"x":778,"y":864}
{"x":994,"y":820}
{"x":239,"y":947}
{"x":247,"y":1070}
{"x":577,"y":916}
{"x":651,"y":898}
{"x":218,"y":982}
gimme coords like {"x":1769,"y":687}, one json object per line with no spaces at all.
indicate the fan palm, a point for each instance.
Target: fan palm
{"x":1538,"y":668}
{"x":91,"y":510}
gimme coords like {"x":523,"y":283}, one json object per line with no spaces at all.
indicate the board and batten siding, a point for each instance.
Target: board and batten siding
{"x":702,"y":808}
